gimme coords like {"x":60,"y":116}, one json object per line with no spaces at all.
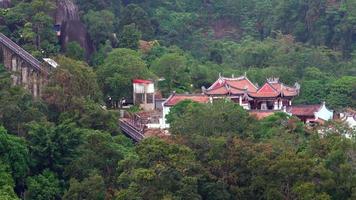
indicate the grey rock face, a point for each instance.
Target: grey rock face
{"x":5,"y":3}
{"x":71,"y":27}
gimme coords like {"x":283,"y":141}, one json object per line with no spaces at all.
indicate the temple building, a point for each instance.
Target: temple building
{"x":311,"y":114}
{"x":348,"y":116}
{"x":273,"y":95}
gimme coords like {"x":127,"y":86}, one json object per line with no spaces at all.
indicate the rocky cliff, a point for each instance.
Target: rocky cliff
{"x":72,"y":29}
{"x":5,"y":3}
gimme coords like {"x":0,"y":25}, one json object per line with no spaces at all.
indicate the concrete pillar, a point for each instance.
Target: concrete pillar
{"x":7,"y":58}
{"x":41,"y":85}
{"x":24,"y":75}
{"x":264,"y":106}
{"x":14,"y":64}
{"x":35,"y":85}
{"x":240,"y":100}
{"x":275,"y":106}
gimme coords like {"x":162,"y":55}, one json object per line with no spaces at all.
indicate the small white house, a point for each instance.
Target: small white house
{"x":311,"y":113}
{"x":324,"y":113}
{"x":175,"y":99}
{"x":349,"y":117}
{"x":144,"y":94}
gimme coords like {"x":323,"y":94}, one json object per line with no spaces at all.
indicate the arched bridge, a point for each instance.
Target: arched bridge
{"x":25,"y":69}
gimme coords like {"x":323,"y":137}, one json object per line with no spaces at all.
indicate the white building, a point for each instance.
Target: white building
{"x":349,"y":117}
{"x":175,"y":99}
{"x":144,"y":94}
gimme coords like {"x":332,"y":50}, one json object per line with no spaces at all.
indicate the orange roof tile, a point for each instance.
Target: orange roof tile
{"x":274,"y":89}
{"x":176,"y":98}
{"x":261,"y":114}
{"x":240,"y":85}
{"x":232,"y":86}
{"x":303,"y":110}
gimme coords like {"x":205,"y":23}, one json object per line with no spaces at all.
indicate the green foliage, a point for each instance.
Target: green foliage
{"x":280,"y":124}
{"x":7,"y":183}
{"x":74,"y":51}
{"x":216,"y":151}
{"x":116,"y":74}
{"x":159,"y":171}
{"x":134,"y":14}
{"x":44,"y":186}
{"x":173,"y":68}
{"x":30,"y":24}
{"x":213,"y":119}
{"x":129,"y":37}
{"x":99,"y":152}
{"x":100,"y":24}
{"x":52,"y":146}
{"x":17,"y":107}
{"x":90,"y":188}
{"x":343,"y":92}
{"x":70,"y":84}
{"x":178,"y":110}
{"x":92,"y":116}
{"x":15,"y":154}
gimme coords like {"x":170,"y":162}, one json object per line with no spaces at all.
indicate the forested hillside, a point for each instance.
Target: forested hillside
{"x":66,"y":145}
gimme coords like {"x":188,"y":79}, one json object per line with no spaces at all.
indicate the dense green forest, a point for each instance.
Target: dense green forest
{"x":67,"y":146}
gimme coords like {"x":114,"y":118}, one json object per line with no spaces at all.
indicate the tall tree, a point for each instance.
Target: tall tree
{"x":173,"y":69}
{"x":117,"y":72}
{"x":70,"y":84}
{"x":45,"y":186}
{"x":100,"y":25}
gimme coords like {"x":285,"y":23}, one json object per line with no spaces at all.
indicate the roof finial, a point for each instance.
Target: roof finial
{"x":219,"y":74}
{"x":232,"y":75}
{"x":245,"y":74}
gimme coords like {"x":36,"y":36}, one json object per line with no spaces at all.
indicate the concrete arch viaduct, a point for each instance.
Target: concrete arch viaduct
{"x":25,"y":69}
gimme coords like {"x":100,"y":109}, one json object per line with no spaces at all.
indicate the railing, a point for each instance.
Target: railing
{"x":131,"y":130}
{"x":20,"y":52}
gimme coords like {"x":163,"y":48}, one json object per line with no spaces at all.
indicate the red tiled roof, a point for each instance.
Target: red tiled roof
{"x":225,"y":86}
{"x":261,"y":114}
{"x":142,"y":81}
{"x":274,"y":89}
{"x":303,"y":110}
{"x":176,"y":98}
{"x":224,"y":90}
{"x":242,"y":84}
{"x":285,"y":90}
{"x":267,"y":90}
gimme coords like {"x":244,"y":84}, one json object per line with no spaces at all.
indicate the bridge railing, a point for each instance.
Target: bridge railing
{"x":21,"y":52}
{"x":133,"y":125}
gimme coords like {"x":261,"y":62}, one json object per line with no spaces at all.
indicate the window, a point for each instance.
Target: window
{"x":139,"y":98}
{"x":149,"y":98}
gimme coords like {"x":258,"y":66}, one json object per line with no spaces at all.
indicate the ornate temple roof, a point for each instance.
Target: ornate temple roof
{"x":304,"y":110}
{"x":242,"y":85}
{"x":224,"y":86}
